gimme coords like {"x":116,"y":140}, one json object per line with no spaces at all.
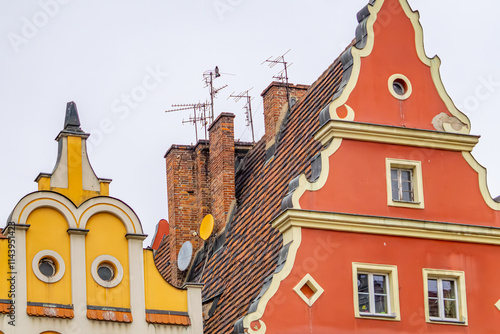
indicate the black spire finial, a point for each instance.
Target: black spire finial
{"x":72,"y":121}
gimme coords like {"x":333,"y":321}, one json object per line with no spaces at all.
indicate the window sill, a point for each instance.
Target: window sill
{"x":406,"y":204}
{"x":446,"y":321}
{"x":378,"y":316}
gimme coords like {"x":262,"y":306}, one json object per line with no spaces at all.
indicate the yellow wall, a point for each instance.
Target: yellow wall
{"x":159,"y":294}
{"x":4,"y":269}
{"x":107,"y":237}
{"x":48,"y":231}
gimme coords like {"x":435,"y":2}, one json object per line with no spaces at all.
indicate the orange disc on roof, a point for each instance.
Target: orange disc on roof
{"x":206,"y":227}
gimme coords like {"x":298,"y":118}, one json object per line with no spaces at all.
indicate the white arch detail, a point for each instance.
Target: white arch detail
{"x":37,"y":200}
{"x":77,"y":218}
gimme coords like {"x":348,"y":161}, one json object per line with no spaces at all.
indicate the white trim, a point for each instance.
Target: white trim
{"x":402,"y":77}
{"x":118,"y":274}
{"x":391,"y":273}
{"x":459,"y":278}
{"x":417,"y":181}
{"x":59,"y":262}
{"x":315,"y":287}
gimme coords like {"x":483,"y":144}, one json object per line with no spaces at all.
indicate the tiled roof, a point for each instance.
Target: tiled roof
{"x":162,"y":258}
{"x":234,"y":274}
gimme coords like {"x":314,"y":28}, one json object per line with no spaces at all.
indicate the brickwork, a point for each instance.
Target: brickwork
{"x":274,"y":97}
{"x":221,"y":167}
{"x":181,"y":187}
{"x":203,"y":197}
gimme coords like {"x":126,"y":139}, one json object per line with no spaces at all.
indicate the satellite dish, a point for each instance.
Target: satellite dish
{"x":207,"y":227}
{"x":184,"y":257}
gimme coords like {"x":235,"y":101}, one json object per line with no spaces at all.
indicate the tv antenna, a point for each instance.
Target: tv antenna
{"x":199,"y":115}
{"x":248,"y":108}
{"x":283,"y":74}
{"x":209,"y":77}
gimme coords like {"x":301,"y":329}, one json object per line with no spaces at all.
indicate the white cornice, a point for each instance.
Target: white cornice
{"x":395,"y":135}
{"x":387,"y":226}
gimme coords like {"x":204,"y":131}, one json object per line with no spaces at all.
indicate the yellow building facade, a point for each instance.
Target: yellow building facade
{"x":72,"y":258}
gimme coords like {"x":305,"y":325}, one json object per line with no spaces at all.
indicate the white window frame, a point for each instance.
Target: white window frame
{"x":417,"y":182}
{"x":392,"y":288}
{"x":460,"y":293}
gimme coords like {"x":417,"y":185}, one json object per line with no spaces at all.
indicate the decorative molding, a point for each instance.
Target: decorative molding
{"x":422,"y":229}
{"x":293,"y":236}
{"x":395,"y":135}
{"x":76,"y":217}
{"x":308,"y":279}
{"x":483,"y":181}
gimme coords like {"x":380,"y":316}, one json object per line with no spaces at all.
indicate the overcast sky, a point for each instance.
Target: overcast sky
{"x":100,"y":53}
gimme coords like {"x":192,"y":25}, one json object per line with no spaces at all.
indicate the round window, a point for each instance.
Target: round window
{"x":400,"y":86}
{"x":47,"y":266}
{"x":106,"y":272}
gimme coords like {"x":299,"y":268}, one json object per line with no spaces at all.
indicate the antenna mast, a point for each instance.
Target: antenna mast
{"x":283,"y":74}
{"x":248,"y":108}
{"x":209,"y":77}
{"x":199,"y":115}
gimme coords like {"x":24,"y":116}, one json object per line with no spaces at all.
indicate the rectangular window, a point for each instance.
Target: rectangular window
{"x":404,"y":183}
{"x":375,"y":291}
{"x":445,"y":296}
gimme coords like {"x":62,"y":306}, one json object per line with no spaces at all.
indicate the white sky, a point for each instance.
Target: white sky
{"x":93,"y":52}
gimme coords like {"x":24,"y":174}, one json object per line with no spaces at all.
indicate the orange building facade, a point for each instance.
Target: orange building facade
{"x":395,"y":230}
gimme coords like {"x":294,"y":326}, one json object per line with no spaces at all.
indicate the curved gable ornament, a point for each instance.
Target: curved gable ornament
{"x":375,"y":17}
{"x":76,"y":218}
{"x":343,"y":110}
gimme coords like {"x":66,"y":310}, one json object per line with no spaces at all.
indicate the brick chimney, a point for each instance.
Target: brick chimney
{"x":201,"y":180}
{"x":221,"y":167}
{"x":188,"y":197}
{"x":275,"y":105}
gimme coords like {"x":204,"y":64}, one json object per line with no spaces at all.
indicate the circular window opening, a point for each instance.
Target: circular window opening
{"x":399,"y":87}
{"x":106,"y":272}
{"x":47,"y":267}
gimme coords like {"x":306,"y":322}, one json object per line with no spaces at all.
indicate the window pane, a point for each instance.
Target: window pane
{"x":395,"y":190}
{"x":433,"y":288}
{"x":406,"y":175}
{"x":407,"y":196}
{"x":364,"y":302}
{"x":363,"y":283}
{"x":381,"y":304}
{"x":449,"y":289}
{"x":406,"y":186}
{"x":433,"y":307}
{"x":450,"y":309}
{"x":379,"y":284}
{"x":394,"y":174}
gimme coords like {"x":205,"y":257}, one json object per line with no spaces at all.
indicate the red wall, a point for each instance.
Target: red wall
{"x":357,"y":184}
{"x":328,"y":257}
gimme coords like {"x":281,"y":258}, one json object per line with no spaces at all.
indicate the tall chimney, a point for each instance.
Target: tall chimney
{"x":181,"y":187}
{"x":188,"y":189}
{"x":275,"y":105}
{"x":221,"y":167}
